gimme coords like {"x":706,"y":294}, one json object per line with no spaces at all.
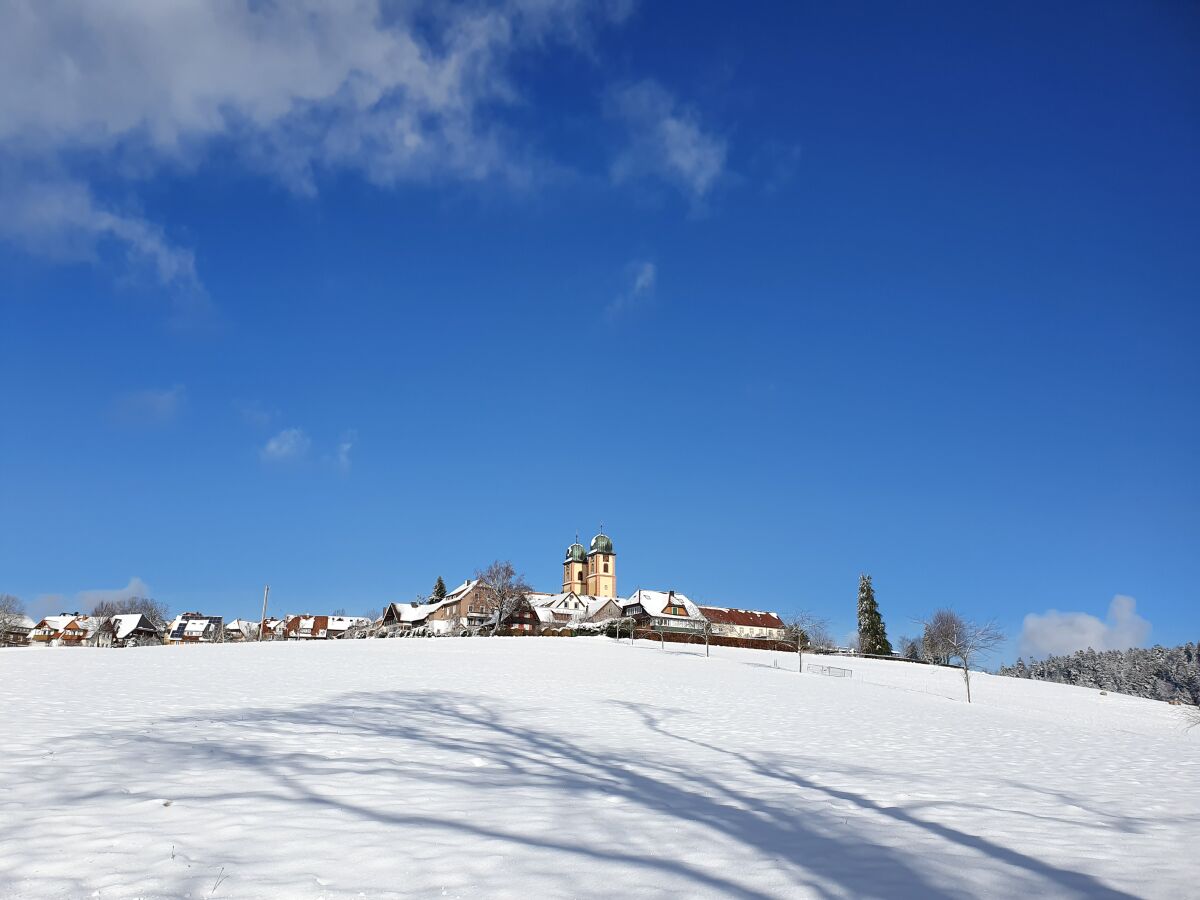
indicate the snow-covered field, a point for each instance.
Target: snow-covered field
{"x":541,"y":767}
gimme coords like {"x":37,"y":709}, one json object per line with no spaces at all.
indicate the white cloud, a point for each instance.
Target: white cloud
{"x":345,"y":445}
{"x":396,"y":92}
{"x":665,"y":141}
{"x":136,"y":588}
{"x":1055,"y":632}
{"x":643,"y":277}
{"x":291,"y":443}
{"x":59,"y":218}
{"x":150,"y":406}
{"x":84,"y":601}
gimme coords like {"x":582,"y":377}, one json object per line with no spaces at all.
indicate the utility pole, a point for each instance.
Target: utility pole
{"x":262,"y":623}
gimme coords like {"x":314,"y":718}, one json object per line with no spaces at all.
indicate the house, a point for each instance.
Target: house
{"x":126,"y":630}
{"x":663,"y":611}
{"x":403,"y":617}
{"x":63,"y":630}
{"x":469,"y":605}
{"x":78,"y":631}
{"x":610,"y":608}
{"x":526,"y":618}
{"x":321,"y":628}
{"x":16,"y":632}
{"x":241,"y":630}
{"x":565,"y":608}
{"x":337,"y":626}
{"x":48,"y":631}
{"x":196,"y":628}
{"x":743,"y":623}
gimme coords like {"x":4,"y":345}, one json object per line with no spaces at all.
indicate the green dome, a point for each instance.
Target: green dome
{"x":601,"y":543}
{"x":576,"y":553}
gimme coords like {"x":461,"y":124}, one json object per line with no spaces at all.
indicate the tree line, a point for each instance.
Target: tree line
{"x":1157,"y":673}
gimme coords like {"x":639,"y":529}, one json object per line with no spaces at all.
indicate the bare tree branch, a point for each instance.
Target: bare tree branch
{"x":963,"y":640}
{"x":505,"y":590}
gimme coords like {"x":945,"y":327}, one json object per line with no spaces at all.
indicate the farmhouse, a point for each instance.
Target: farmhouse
{"x":16,"y":632}
{"x":126,"y":630}
{"x":663,"y":611}
{"x":743,"y":623}
{"x":400,"y":617}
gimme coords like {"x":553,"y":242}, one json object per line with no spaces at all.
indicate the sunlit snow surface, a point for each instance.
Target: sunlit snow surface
{"x":540,"y":767}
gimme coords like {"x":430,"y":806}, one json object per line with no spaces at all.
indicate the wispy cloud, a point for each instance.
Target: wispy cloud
{"x":59,"y":218}
{"x":1055,"y":632}
{"x":291,"y":443}
{"x":151,"y":406}
{"x":410,"y":92}
{"x":665,"y":140}
{"x":256,"y":414}
{"x":345,"y":445}
{"x":84,"y":601}
{"x":642,"y":279}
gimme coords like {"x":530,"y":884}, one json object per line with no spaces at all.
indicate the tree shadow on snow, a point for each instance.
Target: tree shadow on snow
{"x":399,"y":745}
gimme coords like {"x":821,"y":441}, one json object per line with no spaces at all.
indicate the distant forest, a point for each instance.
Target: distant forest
{"x":1159,"y":673}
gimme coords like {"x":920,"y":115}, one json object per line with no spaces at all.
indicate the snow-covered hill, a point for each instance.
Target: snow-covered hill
{"x":576,"y":767}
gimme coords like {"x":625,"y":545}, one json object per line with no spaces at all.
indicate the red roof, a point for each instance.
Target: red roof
{"x":747,"y":618}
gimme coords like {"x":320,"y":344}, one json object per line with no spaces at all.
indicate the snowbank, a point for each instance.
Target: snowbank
{"x":576,"y":767}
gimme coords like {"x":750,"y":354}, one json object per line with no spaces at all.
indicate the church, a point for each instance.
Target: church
{"x":591,"y":572}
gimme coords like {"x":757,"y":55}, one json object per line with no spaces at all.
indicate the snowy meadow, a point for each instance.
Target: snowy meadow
{"x":577,"y":767}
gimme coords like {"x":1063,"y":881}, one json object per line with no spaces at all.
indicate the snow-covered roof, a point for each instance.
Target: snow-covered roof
{"x":126,"y":623}
{"x":462,"y":589}
{"x":746,"y":618}
{"x":654,"y":602}
{"x":545,"y":614}
{"x":595,"y":604}
{"x":341,"y":623}
{"x":57,"y":623}
{"x":196,"y":626}
{"x":407,"y":612}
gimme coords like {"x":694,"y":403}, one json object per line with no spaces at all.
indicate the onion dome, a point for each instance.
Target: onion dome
{"x":602,"y":543}
{"x":576,"y":553}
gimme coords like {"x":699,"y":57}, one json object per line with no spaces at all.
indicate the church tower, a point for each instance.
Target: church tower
{"x":574,"y":568}
{"x":602,"y":567}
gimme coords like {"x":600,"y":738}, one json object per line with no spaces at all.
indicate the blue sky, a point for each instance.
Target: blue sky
{"x":346,"y":301}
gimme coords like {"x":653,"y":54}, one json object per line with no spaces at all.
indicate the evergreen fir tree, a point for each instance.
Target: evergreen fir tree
{"x":872,"y":636}
{"x":439,"y":591}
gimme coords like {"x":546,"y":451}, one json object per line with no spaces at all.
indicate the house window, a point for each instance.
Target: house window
{"x":606,"y":568}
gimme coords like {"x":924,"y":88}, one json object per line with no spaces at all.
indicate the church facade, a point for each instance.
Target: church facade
{"x":591,"y":572}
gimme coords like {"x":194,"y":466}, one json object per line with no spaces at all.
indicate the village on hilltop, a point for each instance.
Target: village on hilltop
{"x":493,"y":602}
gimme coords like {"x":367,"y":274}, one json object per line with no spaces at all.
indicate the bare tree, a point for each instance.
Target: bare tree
{"x":807,"y":631}
{"x":910,"y":648}
{"x":12,"y":611}
{"x":938,"y":634}
{"x":156,"y":612}
{"x":505,"y":590}
{"x":966,"y":641}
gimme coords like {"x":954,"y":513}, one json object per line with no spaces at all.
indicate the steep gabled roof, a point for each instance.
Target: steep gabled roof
{"x":746,"y":618}
{"x":655,"y":602}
